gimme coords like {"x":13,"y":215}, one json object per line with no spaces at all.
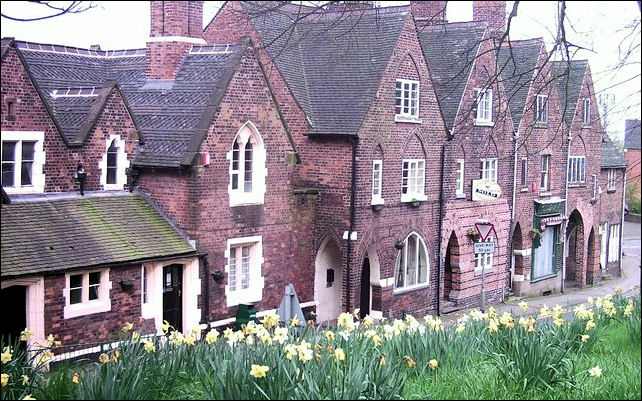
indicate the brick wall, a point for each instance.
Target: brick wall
{"x":609,"y":208}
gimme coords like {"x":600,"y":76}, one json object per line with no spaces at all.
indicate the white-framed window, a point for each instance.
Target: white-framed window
{"x":604,"y":232}
{"x":541,"y":109}
{"x":484,"y":104}
{"x":412,"y":264}
{"x":586,"y":111}
{"x":524,"y":172}
{"x":544,"y":179}
{"x":244,"y":261}
{"x":413,"y":174}
{"x":484,"y":261}
{"x":489,"y":169}
{"x":406,"y":100}
{"x":459,"y":178}
{"x":576,"y":173}
{"x":595,"y":187}
{"x":23,"y":158}
{"x":614,"y":243}
{"x":86,"y":293}
{"x":612,"y":174}
{"x":377,"y":182}
{"x":543,"y":265}
{"x":114,"y":164}
{"x":247,"y":167}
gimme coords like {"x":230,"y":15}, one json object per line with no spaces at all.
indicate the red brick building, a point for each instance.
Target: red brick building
{"x":349,"y":153}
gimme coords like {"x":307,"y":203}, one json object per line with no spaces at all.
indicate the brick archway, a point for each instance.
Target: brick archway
{"x":576,"y":256}
{"x":452,"y":271}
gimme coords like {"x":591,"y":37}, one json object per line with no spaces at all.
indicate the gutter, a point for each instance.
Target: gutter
{"x":512,"y":211}
{"x":205,"y":315}
{"x":353,"y":189}
{"x":565,"y":225}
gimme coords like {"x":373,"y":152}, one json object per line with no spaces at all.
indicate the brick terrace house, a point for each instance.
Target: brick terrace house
{"x":338,"y":149}
{"x":632,"y":150}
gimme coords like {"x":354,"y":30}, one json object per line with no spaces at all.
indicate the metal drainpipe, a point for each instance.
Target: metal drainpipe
{"x":512,"y":212}
{"x":353,"y":190}
{"x":441,"y":222}
{"x":621,"y":223}
{"x":206,"y":296}
{"x":563,"y":226}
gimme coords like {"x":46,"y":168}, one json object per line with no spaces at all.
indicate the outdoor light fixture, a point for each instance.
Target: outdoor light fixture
{"x":218,"y":276}
{"x":81,"y":176}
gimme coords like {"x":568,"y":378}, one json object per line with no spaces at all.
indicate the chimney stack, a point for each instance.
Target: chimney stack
{"x":493,"y":12}
{"x":175,"y":27}
{"x":429,"y":12}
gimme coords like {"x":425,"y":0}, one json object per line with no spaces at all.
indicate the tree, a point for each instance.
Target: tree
{"x":50,"y":9}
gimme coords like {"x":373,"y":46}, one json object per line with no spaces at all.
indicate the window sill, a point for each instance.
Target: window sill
{"x":525,"y":189}
{"x":246,"y":199}
{"x":377,"y":201}
{"x":540,"y":125}
{"x":584,"y":125}
{"x":460,"y":196}
{"x":97,"y":306}
{"x":610,"y":191}
{"x":483,"y":123}
{"x":577,"y":185}
{"x":407,"y":119}
{"x":24,"y":190}
{"x":487,"y":271}
{"x":113,"y":187}
{"x":547,"y":277}
{"x":410,"y":198}
{"x":404,"y":290}
{"x":545,"y":194}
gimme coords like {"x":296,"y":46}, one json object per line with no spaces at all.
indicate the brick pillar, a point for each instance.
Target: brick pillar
{"x":429,"y":12}
{"x":493,"y":12}
{"x":175,"y":27}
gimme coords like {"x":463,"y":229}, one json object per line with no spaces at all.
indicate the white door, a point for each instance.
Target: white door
{"x":604,"y":229}
{"x":328,"y":282}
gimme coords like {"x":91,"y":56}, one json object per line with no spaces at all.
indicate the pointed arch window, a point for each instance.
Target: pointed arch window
{"x":112,"y":162}
{"x":247,"y":167}
{"x":412,"y":264}
{"x":113,"y":165}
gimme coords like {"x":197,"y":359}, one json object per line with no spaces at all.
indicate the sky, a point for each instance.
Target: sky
{"x":599,"y":27}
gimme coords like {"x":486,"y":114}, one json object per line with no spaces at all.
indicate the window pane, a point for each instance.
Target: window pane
{"x":411,"y":262}
{"x":28,"y":149}
{"x":94,"y":285}
{"x":75,"y":281}
{"x":248,"y":168}
{"x":401,"y":266}
{"x":423,"y":264}
{"x":75,"y":296}
{"x":93,"y":292}
{"x":231,"y":277}
{"x":245,"y":267}
{"x":75,"y":289}
{"x":8,"y":151}
{"x":26,"y":173}
{"x":111,"y":175}
{"x":94,"y":278}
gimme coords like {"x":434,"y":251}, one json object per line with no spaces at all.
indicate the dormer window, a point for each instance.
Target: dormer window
{"x":541,"y":109}
{"x":114,"y":164}
{"x":247,"y":167}
{"x":484,"y":104}
{"x":23,"y":159}
{"x":407,"y":101}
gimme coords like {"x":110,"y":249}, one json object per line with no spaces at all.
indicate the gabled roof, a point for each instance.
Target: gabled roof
{"x":75,"y":83}
{"x":333,"y":62}
{"x":517,"y":64}
{"x":611,"y":155}
{"x":451,"y":50}
{"x":56,"y":233}
{"x":569,"y":76}
{"x":632,"y":134}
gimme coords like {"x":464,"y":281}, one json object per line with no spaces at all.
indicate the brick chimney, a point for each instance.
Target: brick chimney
{"x":493,"y":12}
{"x":429,"y":12}
{"x":175,"y":27}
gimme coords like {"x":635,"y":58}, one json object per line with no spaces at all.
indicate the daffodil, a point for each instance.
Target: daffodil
{"x":25,"y":334}
{"x":28,"y":397}
{"x":339,"y":355}
{"x":367,"y":321}
{"x":618,"y":290}
{"x":558,"y":321}
{"x":460,"y":328}
{"x":382,"y":361}
{"x":127,"y":327}
{"x":377,"y":340}
{"x":149,"y":346}
{"x":75,"y":378}
{"x":329,"y":335}
{"x":590,"y":325}
{"x":258,"y":371}
{"x":585,"y":337}
{"x":628,"y":309}
{"x":295,"y":321}
{"x":103,"y":358}
{"x":165,"y":326}
{"x":191,"y":340}
{"x":5,"y":379}
{"x":50,"y":339}
{"x":433,"y":364}
{"x":545,"y":311}
{"x":290,"y":351}
{"x":345,"y":321}
{"x":270,"y":320}
{"x":6,"y":354}
{"x":25,"y":379}
{"x":135,"y":336}
{"x":595,"y":371}
{"x":212,"y":336}
{"x":492,"y":326}
{"x":589,"y":300}
{"x":356,"y":312}
{"x":507,"y":320}
{"x":523,"y":305}
{"x":409,"y":361}
{"x":228,"y":332}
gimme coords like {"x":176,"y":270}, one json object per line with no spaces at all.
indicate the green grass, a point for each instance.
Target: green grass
{"x":615,"y":353}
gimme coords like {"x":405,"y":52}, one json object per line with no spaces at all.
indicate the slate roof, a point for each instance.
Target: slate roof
{"x":333,"y":62}
{"x":171,"y":115}
{"x":517,"y":62}
{"x":632,"y":134}
{"x":611,"y":155}
{"x":52,"y":235}
{"x":450,"y":50}
{"x":569,"y":77}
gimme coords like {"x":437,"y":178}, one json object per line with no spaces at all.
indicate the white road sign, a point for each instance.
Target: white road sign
{"x":484,"y":247}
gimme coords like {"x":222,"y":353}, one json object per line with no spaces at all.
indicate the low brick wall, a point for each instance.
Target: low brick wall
{"x":633,"y":218}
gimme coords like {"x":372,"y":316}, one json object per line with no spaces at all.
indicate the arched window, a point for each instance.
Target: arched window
{"x":247,"y":167}
{"x":112,"y":162}
{"x":412,"y":263}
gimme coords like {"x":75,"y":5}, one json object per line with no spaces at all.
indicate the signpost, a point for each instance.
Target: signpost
{"x":484,"y":227}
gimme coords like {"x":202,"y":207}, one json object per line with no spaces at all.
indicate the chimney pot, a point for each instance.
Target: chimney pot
{"x":95,"y":48}
{"x":429,"y":12}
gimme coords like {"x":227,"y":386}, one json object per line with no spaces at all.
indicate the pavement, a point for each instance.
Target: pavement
{"x":628,"y":282}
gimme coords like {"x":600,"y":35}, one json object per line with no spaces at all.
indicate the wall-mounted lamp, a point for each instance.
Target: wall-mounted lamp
{"x":126,"y":284}
{"x":80,"y":177}
{"x":218,"y":276}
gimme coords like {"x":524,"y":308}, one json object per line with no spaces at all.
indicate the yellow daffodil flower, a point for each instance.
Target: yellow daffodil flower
{"x":523,"y":305}
{"x":329,"y":335}
{"x":339,"y":355}
{"x":595,"y":371}
{"x":28,"y":397}
{"x":127,"y":327}
{"x":585,"y":337}
{"x":149,"y":346}
{"x":25,"y":334}
{"x":76,"y":378}
{"x":6,"y":354}
{"x":5,"y":379}
{"x":433,"y":364}
{"x":103,"y":358}
{"x":25,"y":379}
{"x":409,"y":361}
{"x":212,"y":336}
{"x":382,"y":361}
{"x":258,"y":371}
